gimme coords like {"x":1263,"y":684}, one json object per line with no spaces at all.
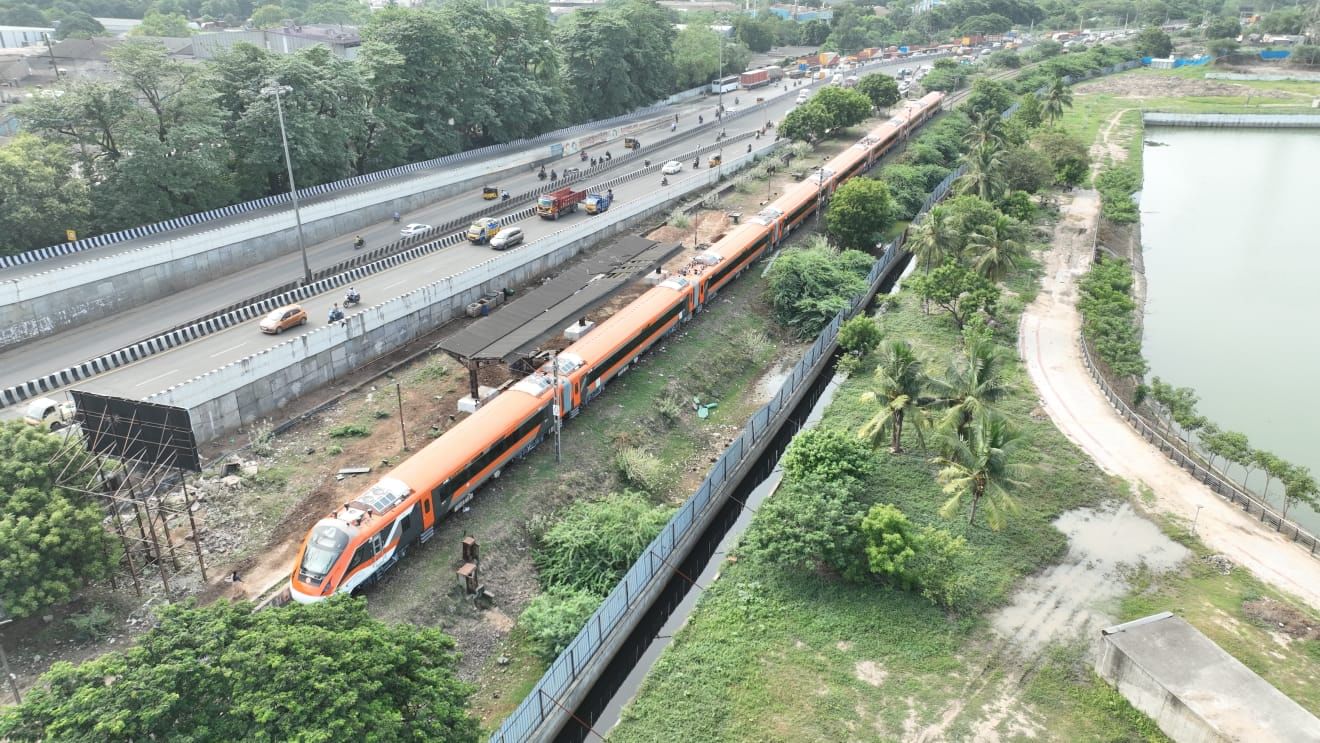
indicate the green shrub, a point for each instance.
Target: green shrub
{"x":350,"y":431}
{"x":380,"y":414}
{"x":678,"y":219}
{"x":1116,"y":185}
{"x":669,"y":410}
{"x":810,"y":522}
{"x":434,"y":371}
{"x":809,"y":286}
{"x":262,"y":438}
{"x":831,"y":455}
{"x":334,"y":450}
{"x":92,"y":625}
{"x":641,"y":469}
{"x":860,"y":335}
{"x":595,"y":542}
{"x":1109,"y":317}
{"x":554,"y":618}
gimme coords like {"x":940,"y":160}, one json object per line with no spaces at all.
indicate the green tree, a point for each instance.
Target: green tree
{"x":996,"y":249}
{"x":891,"y":544}
{"x":988,"y":98}
{"x":268,"y":16}
{"x":51,"y":539}
{"x":957,"y":290}
{"x":809,"y":122}
{"x":845,"y":107}
{"x":859,"y":212}
{"x":227,"y":672}
{"x":1220,"y":48}
{"x":756,"y":33}
{"x":39,"y":195}
{"x":1046,"y":49}
{"x":22,"y":14}
{"x":79,"y":25}
{"x":1223,"y":27}
{"x":1057,"y":98}
{"x":170,"y":25}
{"x":616,"y":57}
{"x":860,"y":335}
{"x":827,"y":454}
{"x":1030,"y":113}
{"x":973,"y":384}
{"x":1299,"y":486}
{"x":697,"y":56}
{"x":1067,"y":155}
{"x":987,"y":130}
{"x":1231,"y":445}
{"x":1025,"y":168}
{"x":1274,"y":467}
{"x":595,"y":542}
{"x":809,"y":286}
{"x":880,"y":88}
{"x":1006,"y":58}
{"x":807,"y":523}
{"x":910,"y":185}
{"x":1153,"y":42}
{"x":900,"y":379}
{"x":980,"y":464}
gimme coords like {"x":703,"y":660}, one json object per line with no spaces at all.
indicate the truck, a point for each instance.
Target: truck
{"x":776,"y":73}
{"x":596,"y":203}
{"x":555,"y":203}
{"x":754,"y":78}
{"x":483,"y":230}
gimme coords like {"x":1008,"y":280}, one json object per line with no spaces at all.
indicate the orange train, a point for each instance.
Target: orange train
{"x":367,"y":535}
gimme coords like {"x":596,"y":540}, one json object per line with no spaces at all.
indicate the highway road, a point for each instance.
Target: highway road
{"x":49,"y":354}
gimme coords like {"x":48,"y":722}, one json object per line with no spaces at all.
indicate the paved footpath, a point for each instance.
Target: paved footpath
{"x":1048,"y":343}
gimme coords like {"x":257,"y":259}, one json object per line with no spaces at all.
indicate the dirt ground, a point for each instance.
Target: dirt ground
{"x":1048,"y":343}
{"x":1164,"y":86}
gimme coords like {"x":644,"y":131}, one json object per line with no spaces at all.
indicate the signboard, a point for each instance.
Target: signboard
{"x":71,"y":235}
{"x":137,"y":430}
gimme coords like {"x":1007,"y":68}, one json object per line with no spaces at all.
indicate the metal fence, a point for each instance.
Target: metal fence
{"x":188,"y":220}
{"x":655,"y":563}
{"x":1174,"y":451}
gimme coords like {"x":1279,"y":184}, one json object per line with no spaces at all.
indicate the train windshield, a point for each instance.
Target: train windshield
{"x":323,"y":549}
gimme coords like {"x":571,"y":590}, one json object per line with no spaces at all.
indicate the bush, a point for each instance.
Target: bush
{"x":679,"y":219}
{"x":92,"y":625}
{"x":554,"y":618}
{"x":860,"y":335}
{"x":350,"y":431}
{"x":641,"y":468}
{"x":595,"y":542}
{"x":830,"y":455}
{"x":809,"y":286}
{"x":807,"y":523}
{"x":1109,"y":317}
{"x":929,"y":560}
{"x":1116,"y":184}
{"x":859,"y":213}
{"x":262,"y":439}
{"x":668,"y":410}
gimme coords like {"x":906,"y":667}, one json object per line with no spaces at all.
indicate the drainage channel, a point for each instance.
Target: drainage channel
{"x":624,"y":674}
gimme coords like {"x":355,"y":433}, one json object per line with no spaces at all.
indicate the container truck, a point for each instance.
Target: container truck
{"x":555,"y":203}
{"x":754,"y":78}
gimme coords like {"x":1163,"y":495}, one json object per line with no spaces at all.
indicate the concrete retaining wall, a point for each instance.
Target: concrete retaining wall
{"x":252,"y":388}
{"x":45,"y":303}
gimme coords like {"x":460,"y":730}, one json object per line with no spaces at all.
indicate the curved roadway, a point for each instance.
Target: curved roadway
{"x":136,"y":380}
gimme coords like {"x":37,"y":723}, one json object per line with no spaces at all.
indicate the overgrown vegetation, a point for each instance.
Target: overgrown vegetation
{"x":1116,"y":184}
{"x":811,"y":284}
{"x":1110,"y":320}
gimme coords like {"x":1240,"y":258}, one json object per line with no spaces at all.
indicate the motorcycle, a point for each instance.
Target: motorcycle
{"x":358,"y":243}
{"x":336,"y":315}
{"x":352,"y":299}
{"x":541,"y":175}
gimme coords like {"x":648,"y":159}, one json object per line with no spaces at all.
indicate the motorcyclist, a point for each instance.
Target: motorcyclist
{"x":541,"y":174}
{"x":696,"y":162}
{"x":610,"y":194}
{"x":664,"y":180}
{"x":700,"y":119}
{"x":504,"y":196}
{"x":358,"y":242}
{"x":336,"y":313}
{"x":352,"y":297}
{"x":584,"y":156}
{"x":607,"y":155}
{"x":554,"y":176}
{"x":396,"y":217}
{"x":749,"y":148}
{"x":673,"y":126}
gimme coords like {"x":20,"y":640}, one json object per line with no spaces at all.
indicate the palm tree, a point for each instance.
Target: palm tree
{"x":899,"y":380}
{"x":987,"y":128}
{"x":978,"y":464}
{"x":996,"y":250}
{"x":984,"y":176}
{"x":972,"y":387}
{"x":1057,"y":98}
{"x":934,"y":239}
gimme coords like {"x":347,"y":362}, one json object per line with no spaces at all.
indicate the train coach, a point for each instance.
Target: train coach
{"x":363,"y":538}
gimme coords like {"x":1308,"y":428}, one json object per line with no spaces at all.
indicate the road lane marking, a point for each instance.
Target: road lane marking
{"x":400,"y":281}
{"x":227,"y":350}
{"x":158,"y":376}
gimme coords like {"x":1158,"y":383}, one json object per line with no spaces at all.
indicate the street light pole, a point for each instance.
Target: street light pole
{"x":275,"y":90}
{"x":720,"y":102}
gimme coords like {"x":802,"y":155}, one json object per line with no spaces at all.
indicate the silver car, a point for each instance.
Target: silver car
{"x":506,"y":238}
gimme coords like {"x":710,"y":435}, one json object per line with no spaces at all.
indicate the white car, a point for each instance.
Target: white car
{"x":803,"y":96}
{"x":506,"y":238}
{"x":414,"y":229}
{"x":671,"y":167}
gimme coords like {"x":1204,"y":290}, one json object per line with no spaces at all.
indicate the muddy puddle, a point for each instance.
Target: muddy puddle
{"x":1077,"y":597}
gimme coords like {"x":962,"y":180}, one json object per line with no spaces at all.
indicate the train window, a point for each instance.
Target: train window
{"x":406,"y":523}
{"x":426,"y":505}
{"x":363,"y":554}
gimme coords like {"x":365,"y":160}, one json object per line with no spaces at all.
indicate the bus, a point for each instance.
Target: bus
{"x":725,"y":85}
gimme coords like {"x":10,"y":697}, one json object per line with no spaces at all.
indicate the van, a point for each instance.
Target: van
{"x":506,"y":238}
{"x":44,"y":412}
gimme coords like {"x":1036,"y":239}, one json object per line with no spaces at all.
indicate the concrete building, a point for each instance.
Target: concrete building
{"x":802,"y":13}
{"x":17,"y":37}
{"x":1193,"y":690}
{"x":344,"y":41}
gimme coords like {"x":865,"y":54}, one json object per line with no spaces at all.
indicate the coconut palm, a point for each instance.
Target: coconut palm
{"x":987,"y":129}
{"x":934,"y":239}
{"x":971,"y":386}
{"x":980,"y":465}
{"x":994,"y":250}
{"x":899,"y":380}
{"x":984,"y":176}
{"x":1057,"y":98}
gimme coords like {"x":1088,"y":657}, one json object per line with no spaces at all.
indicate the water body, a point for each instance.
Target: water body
{"x":1230,"y":225}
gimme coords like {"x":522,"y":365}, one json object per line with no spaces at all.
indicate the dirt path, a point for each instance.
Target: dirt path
{"x":1048,"y":344}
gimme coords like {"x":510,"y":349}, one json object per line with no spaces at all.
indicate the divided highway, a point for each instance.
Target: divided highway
{"x":153,"y":374}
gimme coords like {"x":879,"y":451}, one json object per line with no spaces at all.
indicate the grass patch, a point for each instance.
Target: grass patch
{"x":349,"y":431}
{"x":1081,"y":705}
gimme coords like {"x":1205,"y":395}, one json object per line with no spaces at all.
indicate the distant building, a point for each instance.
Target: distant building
{"x":344,"y":41}
{"x":17,"y":37}
{"x":802,"y":13}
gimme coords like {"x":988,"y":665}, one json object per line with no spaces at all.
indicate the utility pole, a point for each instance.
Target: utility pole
{"x":720,"y":93}
{"x":51,"y":50}
{"x":398,"y":395}
{"x":557,"y":409}
{"x":275,"y":90}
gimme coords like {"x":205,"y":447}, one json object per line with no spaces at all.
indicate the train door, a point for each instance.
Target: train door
{"x":410,"y":528}
{"x":566,"y":401}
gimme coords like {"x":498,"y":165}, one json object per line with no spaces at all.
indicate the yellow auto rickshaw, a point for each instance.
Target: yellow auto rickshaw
{"x":490,"y":193}
{"x":631,"y":144}
{"x":715,"y":160}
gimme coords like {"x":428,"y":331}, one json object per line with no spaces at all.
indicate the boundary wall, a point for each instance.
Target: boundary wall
{"x":324,"y":280}
{"x":251,"y":388}
{"x":40,"y":254}
{"x":1232,"y":121}
{"x":44,"y":303}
